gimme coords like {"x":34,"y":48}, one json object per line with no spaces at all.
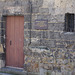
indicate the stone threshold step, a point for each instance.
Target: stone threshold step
{"x":14,"y":71}
{"x":5,"y":74}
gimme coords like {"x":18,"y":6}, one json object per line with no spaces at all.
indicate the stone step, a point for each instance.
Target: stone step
{"x":5,"y":74}
{"x":11,"y":71}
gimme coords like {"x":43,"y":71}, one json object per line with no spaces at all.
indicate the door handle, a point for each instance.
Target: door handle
{"x":10,"y":42}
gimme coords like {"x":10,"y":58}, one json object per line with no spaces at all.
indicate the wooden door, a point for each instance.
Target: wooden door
{"x":14,"y":41}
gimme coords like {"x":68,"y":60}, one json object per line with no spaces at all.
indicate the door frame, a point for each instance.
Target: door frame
{"x":3,"y":39}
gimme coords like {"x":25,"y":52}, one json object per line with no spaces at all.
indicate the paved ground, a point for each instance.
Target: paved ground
{"x":5,"y":74}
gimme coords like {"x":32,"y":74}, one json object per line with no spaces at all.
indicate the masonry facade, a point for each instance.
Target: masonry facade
{"x":49,"y":49}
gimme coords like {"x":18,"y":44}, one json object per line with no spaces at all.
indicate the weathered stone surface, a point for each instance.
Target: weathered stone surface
{"x":58,"y":57}
{"x":2,"y":63}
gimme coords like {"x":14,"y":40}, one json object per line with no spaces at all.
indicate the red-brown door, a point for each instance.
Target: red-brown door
{"x":14,"y":41}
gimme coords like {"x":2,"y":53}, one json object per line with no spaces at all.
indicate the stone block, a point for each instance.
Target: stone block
{"x":56,"y":26}
{"x":37,"y":3}
{"x":26,"y":41}
{"x":26,"y":34}
{"x":51,"y":35}
{"x":60,"y":17}
{"x":27,"y":25}
{"x":37,"y":34}
{"x":2,"y":63}
{"x":27,"y":18}
{"x":42,"y":16}
{"x":35,"y":10}
{"x":51,"y":26}
{"x":45,"y":34}
{"x":44,"y":10}
{"x":53,"y":73}
{"x":57,"y":35}
{"x":43,"y":71}
{"x":73,"y":72}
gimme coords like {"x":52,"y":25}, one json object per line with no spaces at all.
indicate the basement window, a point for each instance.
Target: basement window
{"x":69,"y":22}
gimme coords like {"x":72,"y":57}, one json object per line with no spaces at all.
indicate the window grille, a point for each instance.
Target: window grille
{"x":69,"y":22}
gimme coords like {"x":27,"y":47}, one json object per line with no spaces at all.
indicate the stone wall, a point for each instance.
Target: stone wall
{"x":48,"y":49}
